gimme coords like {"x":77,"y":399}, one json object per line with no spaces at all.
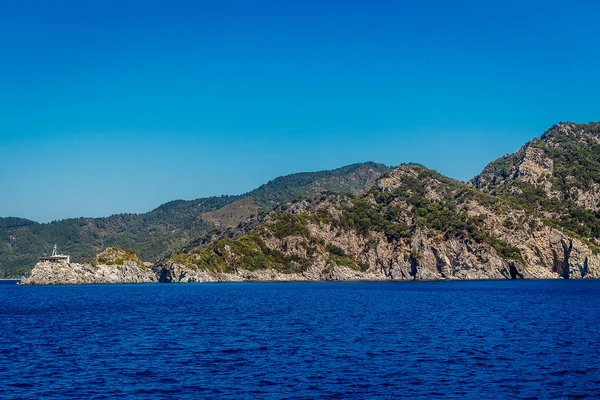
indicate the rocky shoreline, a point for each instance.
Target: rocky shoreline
{"x":77,"y":274}
{"x":113,"y":265}
{"x":64,"y":274}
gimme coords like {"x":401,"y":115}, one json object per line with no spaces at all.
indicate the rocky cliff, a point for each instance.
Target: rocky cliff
{"x":413,"y":224}
{"x":111,"y":266}
{"x":557,"y":175}
{"x":532,"y":214}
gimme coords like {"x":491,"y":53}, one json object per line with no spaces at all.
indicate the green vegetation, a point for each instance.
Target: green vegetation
{"x":162,"y":231}
{"x":346,"y":262}
{"x":427,"y":200}
{"x":409,"y":202}
{"x":584,"y":222}
{"x":335,"y":250}
{"x":337,"y":256}
{"x":388,"y":215}
{"x":116,"y":256}
{"x":286,"y":224}
{"x":150,"y":235}
{"x":351,"y":179}
{"x":362,"y":216}
{"x":575,"y":155}
{"x":505,"y":250}
{"x":248,"y":252}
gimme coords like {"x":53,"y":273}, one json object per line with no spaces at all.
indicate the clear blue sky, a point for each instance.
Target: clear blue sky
{"x":119,"y":106}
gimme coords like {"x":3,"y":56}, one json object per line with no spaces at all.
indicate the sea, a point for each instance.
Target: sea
{"x":514,"y":339}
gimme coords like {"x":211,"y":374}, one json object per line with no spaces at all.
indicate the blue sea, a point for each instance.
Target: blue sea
{"x":482,"y":339}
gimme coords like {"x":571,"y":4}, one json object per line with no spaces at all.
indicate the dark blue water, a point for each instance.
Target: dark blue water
{"x":500,"y":339}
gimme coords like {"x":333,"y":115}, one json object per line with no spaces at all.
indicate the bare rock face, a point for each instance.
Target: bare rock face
{"x":531,"y":164}
{"x":111,"y":266}
{"x":422,"y":259}
{"x":174,"y":272}
{"x":67,"y":274}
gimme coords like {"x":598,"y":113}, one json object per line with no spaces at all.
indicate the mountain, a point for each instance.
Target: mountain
{"x":532,"y":214}
{"x":169,"y":227}
{"x":555,"y":177}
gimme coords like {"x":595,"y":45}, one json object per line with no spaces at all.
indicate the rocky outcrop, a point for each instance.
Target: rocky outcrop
{"x":424,"y":258}
{"x":111,"y":266}
{"x":173,"y":272}
{"x":561,"y":167}
{"x":413,"y":225}
{"x":74,"y":274}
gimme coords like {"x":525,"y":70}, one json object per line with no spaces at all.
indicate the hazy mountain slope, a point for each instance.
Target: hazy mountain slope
{"x":352,"y":179}
{"x":169,"y":227}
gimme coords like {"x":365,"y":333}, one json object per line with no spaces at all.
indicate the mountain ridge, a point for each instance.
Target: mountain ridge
{"x":158,"y":232}
{"x":415,"y":223}
{"x":531,"y":214}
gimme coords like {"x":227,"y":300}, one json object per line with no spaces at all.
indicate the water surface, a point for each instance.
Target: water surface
{"x":494,"y":339}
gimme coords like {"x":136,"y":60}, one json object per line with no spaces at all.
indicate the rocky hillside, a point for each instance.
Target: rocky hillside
{"x":412,"y":224}
{"x":532,"y":214}
{"x":555,"y":177}
{"x":169,"y":227}
{"x":113,"y":265}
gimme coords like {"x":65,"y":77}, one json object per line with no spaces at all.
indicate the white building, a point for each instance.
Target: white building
{"x":56,"y":258}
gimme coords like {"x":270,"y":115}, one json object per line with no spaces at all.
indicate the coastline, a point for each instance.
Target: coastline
{"x":399,"y":281}
{"x":303,"y":281}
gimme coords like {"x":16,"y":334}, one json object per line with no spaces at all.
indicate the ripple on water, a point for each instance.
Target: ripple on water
{"x":300,"y":340}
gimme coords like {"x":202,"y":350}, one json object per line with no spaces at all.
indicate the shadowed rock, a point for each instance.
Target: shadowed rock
{"x":514,"y":272}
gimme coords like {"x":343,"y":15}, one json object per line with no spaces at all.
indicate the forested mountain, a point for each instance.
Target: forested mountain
{"x":168,"y":228}
{"x":532,"y":214}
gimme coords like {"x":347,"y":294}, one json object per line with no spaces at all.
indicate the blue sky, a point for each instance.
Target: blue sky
{"x":119,"y":106}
